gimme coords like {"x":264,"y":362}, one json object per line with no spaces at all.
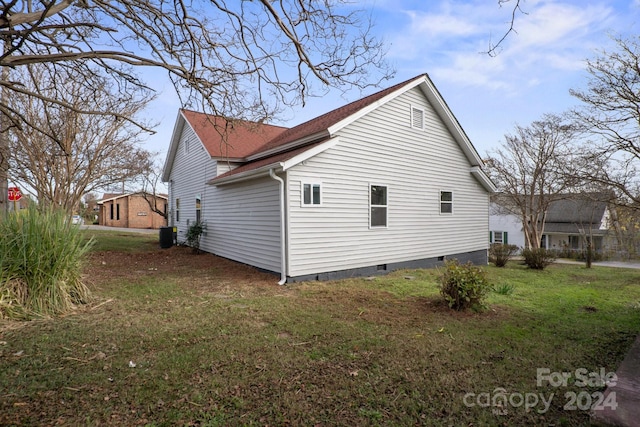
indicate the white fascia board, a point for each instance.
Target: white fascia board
{"x":173,"y":146}
{"x":450,"y":121}
{"x":484,"y":180}
{"x":244,"y":176}
{"x":286,"y":147}
{"x":369,"y":108}
{"x":310,"y":153}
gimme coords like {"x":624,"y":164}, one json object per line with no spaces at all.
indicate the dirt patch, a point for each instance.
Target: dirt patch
{"x":177,"y":261}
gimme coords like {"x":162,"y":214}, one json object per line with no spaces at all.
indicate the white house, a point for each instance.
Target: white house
{"x":386,"y":182}
{"x":570,"y":220}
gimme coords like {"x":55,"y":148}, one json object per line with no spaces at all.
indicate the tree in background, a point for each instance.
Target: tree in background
{"x":611,"y":118}
{"x":531,"y":169}
{"x":240,"y":59}
{"x":64,"y":153}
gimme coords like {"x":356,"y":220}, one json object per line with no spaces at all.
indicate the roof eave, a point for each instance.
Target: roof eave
{"x":173,"y":147}
{"x":289,"y":146}
{"x":245,"y":176}
{"x":483,"y":179}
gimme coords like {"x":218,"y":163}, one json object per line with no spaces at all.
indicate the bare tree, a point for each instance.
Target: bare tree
{"x":150,"y":182}
{"x":63,"y":153}
{"x":234,"y":58}
{"x":531,"y":169}
{"x":611,"y":117}
{"x":240,"y":58}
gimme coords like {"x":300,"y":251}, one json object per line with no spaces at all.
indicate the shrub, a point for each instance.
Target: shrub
{"x":194,"y":232}
{"x":40,"y":264}
{"x":500,"y":254}
{"x":538,"y":258}
{"x":464,"y":286}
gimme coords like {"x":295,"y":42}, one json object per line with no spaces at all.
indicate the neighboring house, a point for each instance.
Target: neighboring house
{"x":131,"y":211}
{"x":569,"y":222}
{"x":386,"y":182}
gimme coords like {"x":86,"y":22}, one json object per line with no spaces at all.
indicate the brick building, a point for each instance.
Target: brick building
{"x":132,"y":211}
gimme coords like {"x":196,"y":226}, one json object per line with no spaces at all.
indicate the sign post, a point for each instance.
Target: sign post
{"x":14,"y":196}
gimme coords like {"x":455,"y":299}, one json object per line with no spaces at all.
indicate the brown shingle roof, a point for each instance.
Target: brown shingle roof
{"x":325,"y":121}
{"x":230,"y":139}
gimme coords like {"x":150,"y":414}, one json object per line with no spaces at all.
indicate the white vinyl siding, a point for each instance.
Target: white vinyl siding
{"x":244,"y":223}
{"x":381,"y":148}
{"x":242,"y":220}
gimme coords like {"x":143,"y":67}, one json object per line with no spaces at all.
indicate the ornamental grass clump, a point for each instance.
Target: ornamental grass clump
{"x":464,"y":286}
{"x":41,"y":256}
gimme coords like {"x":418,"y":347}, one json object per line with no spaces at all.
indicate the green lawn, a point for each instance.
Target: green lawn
{"x":215,"y":345}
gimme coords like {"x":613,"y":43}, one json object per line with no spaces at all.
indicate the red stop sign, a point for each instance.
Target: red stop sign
{"x":14,"y":194}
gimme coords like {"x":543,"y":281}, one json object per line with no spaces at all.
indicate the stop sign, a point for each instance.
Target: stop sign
{"x":14,"y":194}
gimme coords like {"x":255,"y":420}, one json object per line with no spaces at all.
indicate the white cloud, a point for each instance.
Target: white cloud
{"x":552,"y":37}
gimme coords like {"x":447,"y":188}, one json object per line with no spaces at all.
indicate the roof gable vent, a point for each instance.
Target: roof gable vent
{"x":417,"y":118}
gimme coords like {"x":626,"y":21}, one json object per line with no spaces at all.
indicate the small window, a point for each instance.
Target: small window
{"x":446,"y":202}
{"x":311,"y":194}
{"x":118,"y":212}
{"x":417,"y":118}
{"x":177,"y":210}
{"x":198,"y":208}
{"x":186,"y":145}
{"x":111,"y":217}
{"x":378,"y":206}
{"x":499,"y":237}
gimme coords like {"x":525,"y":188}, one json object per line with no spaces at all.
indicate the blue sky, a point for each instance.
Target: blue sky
{"x":531,"y":76}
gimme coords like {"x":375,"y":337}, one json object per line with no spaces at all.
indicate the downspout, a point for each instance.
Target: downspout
{"x":283,"y":252}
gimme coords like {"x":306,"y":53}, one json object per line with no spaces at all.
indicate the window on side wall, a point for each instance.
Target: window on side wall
{"x":311,"y":194}
{"x":446,"y":202}
{"x":198,"y":208}
{"x":498,"y":237}
{"x":177,"y":210}
{"x":378,"y":206}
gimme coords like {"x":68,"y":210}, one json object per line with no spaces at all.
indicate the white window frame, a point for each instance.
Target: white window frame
{"x":414,"y":109}
{"x":495,"y":233}
{"x":198,"y":208}
{"x":440,"y":201}
{"x":311,"y":185}
{"x":386,"y":206}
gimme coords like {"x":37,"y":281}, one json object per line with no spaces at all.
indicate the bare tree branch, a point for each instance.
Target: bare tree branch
{"x":494,"y":48}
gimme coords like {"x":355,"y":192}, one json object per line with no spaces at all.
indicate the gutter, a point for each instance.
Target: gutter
{"x":283,"y":246}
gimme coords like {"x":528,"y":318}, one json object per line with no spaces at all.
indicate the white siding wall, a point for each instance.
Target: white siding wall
{"x":415,"y":165}
{"x":243,"y":220}
{"x":189,"y":174}
{"x":243,"y":223}
{"x":507,"y":222}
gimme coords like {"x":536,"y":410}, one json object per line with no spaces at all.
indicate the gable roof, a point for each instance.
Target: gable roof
{"x":322,"y":128}
{"x":228,"y":139}
{"x":231,"y":140}
{"x":576,"y":210}
{"x":572,"y":213}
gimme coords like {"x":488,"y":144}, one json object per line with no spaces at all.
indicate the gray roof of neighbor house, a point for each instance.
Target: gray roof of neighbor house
{"x":575,"y":215}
